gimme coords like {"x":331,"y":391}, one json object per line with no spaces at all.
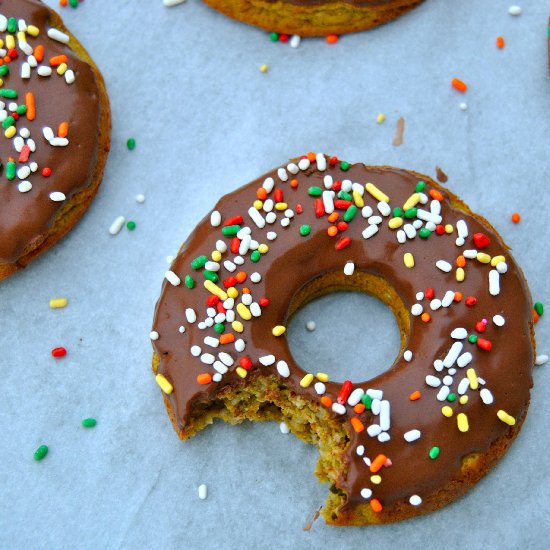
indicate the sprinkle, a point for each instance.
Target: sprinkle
{"x":472,"y":377}
{"x":447,"y":411}
{"x":332,"y":39}
{"x":376,"y":193}
{"x":165,"y":386}
{"x":459,"y":334}
{"x":380,"y":118}
{"x":494,"y":282}
{"x":415,"y":500}
{"x":486,"y":396}
{"x":55,"y":34}
{"x":375,"y":505}
{"x":499,"y":320}
{"x":416,"y":310}
{"x":506,"y":418}
{"x":282,"y":369}
{"x":412,"y":435}
{"x":59,"y":352}
{"x":294,"y":41}
{"x":370,"y":231}
{"x":264,"y":68}
{"x":310,"y":325}
{"x":408,"y":355}
{"x":279,"y":330}
{"x":433,"y":381}
{"x":337,"y":408}
{"x":154,"y":335}
{"x":57,"y":196}
{"x":326,"y":401}
{"x":516,"y":218}
{"x":434,"y":453}
{"x":56,"y":303}
{"x":215,"y":289}
{"x":320,"y":388}
{"x":514,"y":10}
{"x":203,"y":489}
{"x":459,"y":85}
{"x":541,"y":360}
{"x":284,"y":428}
{"x":462,"y":422}
{"x":408,"y":259}
{"x":443,"y":266}
{"x":539,"y":308}
{"x":89,"y":422}
{"x":140,"y":198}
{"x":172,"y":278}
{"x":40,"y":453}
{"x":357,"y":424}
{"x":170,"y":4}
{"x":349,"y":268}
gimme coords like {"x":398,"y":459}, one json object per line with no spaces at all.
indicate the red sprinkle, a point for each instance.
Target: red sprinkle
{"x":229,"y":282}
{"x":342,"y":243}
{"x":235,"y":244}
{"x":342,"y":226}
{"x":220,"y":308}
{"x":299,"y":209}
{"x":341,"y":204}
{"x":336,"y":185}
{"x":430,"y":293}
{"x":283,"y":38}
{"x":46,"y":171}
{"x":25,"y":153}
{"x":264,"y":302}
{"x":319,"y":208}
{"x":333,"y":161}
{"x":59,"y":352}
{"x":212,"y":300}
{"x":481,"y":240}
{"x":345,"y":391}
{"x":481,"y":326}
{"x":471,"y":301}
{"x":440,"y":229}
{"x":278,"y":195}
{"x":234,"y":220}
{"x":484,"y":344}
{"x":245,"y":362}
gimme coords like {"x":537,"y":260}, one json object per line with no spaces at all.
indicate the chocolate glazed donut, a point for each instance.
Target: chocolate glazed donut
{"x":411,"y":439}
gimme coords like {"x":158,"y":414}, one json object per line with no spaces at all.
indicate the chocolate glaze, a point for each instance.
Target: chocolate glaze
{"x":292,"y":261}
{"x":26,"y":217}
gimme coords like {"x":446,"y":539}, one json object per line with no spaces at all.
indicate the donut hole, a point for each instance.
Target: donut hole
{"x":361,"y":326}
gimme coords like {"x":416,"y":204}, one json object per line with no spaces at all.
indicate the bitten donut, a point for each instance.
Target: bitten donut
{"x":314,"y":17}
{"x":56,"y":126}
{"x":417,"y":436}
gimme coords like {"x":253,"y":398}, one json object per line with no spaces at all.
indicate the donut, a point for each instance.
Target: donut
{"x":407,"y":441}
{"x":314,"y":17}
{"x":56,"y":124}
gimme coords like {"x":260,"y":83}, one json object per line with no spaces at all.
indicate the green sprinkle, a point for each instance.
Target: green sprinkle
{"x":230,"y":230}
{"x":411,"y":213}
{"x":89,"y":422}
{"x":367,"y":401}
{"x":8,"y":92}
{"x":41,"y":452}
{"x":73,"y":3}
{"x":451,"y":397}
{"x":10,"y":170}
{"x":4,"y":70}
{"x":434,"y":453}
{"x":424,"y":233}
{"x":344,"y":165}
{"x":539,"y":308}
{"x":131,"y":225}
{"x":199,"y":262}
{"x":219,"y":328}
{"x":349,"y":214}
{"x":189,"y":281}
{"x":345,"y":196}
{"x":305,"y":230}
{"x":131,"y":144}
{"x":7,"y":122}
{"x":255,"y":256}
{"x":420,"y":186}
{"x":472,"y":338}
{"x":12,"y":24}
{"x":315,"y":191}
{"x":397,"y":212}
{"x":210,"y":275}
{"x":21,"y":109}
{"x":274,"y":37}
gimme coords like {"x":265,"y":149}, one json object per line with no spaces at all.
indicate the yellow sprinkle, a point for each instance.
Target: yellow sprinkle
{"x":376,"y":479}
{"x":10,"y":132}
{"x":322,"y":377}
{"x":472,"y":377}
{"x":495,"y":260}
{"x":463,"y":399}
{"x":447,"y":411}
{"x":306,"y":381}
{"x":1,"y":82}
{"x":165,"y":386}
{"x":258,"y":204}
{"x":244,"y":312}
{"x":32,"y":30}
{"x":376,"y":193}
{"x":1,"y":43}
{"x":380,"y":118}
{"x":358,"y":199}
{"x":61,"y":68}
{"x":263,"y":69}
{"x":411,"y":201}
{"x":215,"y":289}
{"x":281,"y":206}
{"x":263,"y":248}
{"x":506,"y":418}
{"x":279,"y":330}
{"x":460,"y":274}
{"x":56,"y":303}
{"x":462,"y":421}
{"x":237,"y":326}
{"x":449,"y":229}
{"x":232,"y":292}
{"x":10,"y":42}
{"x":395,"y":223}
{"x":241,"y":372}
{"x":408,"y":258}
{"x":21,"y":36}
{"x":216,"y":255}
{"x":483,"y":258}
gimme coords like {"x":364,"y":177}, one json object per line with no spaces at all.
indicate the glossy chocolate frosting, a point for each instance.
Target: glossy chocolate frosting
{"x":294,"y":260}
{"x":26,"y":217}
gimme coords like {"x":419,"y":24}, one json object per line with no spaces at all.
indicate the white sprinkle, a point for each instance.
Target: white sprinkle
{"x":401,"y":236}
{"x":447,"y":380}
{"x":438,"y":365}
{"x":246,"y":299}
{"x":514,"y":10}
{"x":240,"y":346}
{"x":419,"y":296}
{"x":24,"y":186}
{"x":268,"y":205}
{"x":47,"y":132}
{"x":464,"y":359}
{"x":54,"y":34}
{"x":244,"y":231}
{"x":59,"y":142}
{"x":499,"y":320}
{"x":310,"y":325}
{"x":375,"y":394}
{"x":328,"y":201}
{"x":267,"y":360}
{"x":448,"y":298}
{"x":208,"y":358}
{"x":284,"y":428}
{"x":408,"y":355}
{"x":338,"y":409}
{"x":212,"y":266}
{"x":375,"y":406}
{"x":360,"y":450}
{"x":230,"y":266}
{"x":257,"y":218}
{"x":303,"y":164}
{"x":462,"y":229}
{"x":173,"y":279}
{"x":415,"y":500}
{"x":154,"y":335}
{"x":463,"y":106}
{"x":435,"y":304}
{"x":285,"y":222}
{"x":502,"y":267}
{"x":366,"y":211}
{"x":486,"y":396}
{"x":220,"y":367}
{"x":417,"y":224}
{"x":181,"y":329}
{"x":443,"y":393}
{"x":410,"y":231}
{"x":268,"y":184}
{"x":459,"y":333}
{"x":359,"y":188}
{"x":383,"y":437}
{"x":31,"y":60}
{"x":349,"y":268}
{"x":140,"y":198}
{"x":417,"y":309}
{"x":494,"y":282}
{"x":541,"y":360}
{"x":226,"y":359}
{"x":327,"y":181}
{"x":215,"y":218}
{"x":435,"y":207}
{"x":255,"y":277}
{"x":320,"y":159}
{"x":355,"y":396}
{"x":33,"y":165}
{"x":69,"y":76}
{"x":283,"y":176}
{"x":57,"y":196}
{"x":470,"y":254}
{"x":211,"y":341}
{"x":443,"y":265}
{"x":172,"y":3}
{"x":433,"y":381}
{"x":289,"y":213}
{"x":3,"y":23}
{"x":271,"y":217}
{"x":282,"y":369}
{"x":239,"y":260}
{"x":463,"y":386}
{"x":195,"y":351}
{"x":24,"y":133}
{"x":412,"y":435}
{"x":255,"y":309}
{"x":385,"y":415}
{"x":203,"y":489}
{"x":452,"y":354}
{"x":374,"y":430}
{"x":370,"y":231}
{"x":190,"y":314}
{"x":44,"y":70}
{"x":25,"y":70}
{"x":428,"y":216}
{"x":292,"y":168}
{"x":366,"y":493}
{"x":375,"y":220}
{"x":271,"y":236}
{"x":383,"y":207}
{"x":216,"y":377}
{"x":320,"y":388}
{"x":230,"y":316}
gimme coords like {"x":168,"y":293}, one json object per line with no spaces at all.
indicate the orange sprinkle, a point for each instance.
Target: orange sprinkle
{"x":246,"y":290}
{"x":332,"y":39}
{"x":57,"y":60}
{"x":261,"y":193}
{"x":516,"y":217}
{"x":535,"y":317}
{"x":326,"y":401}
{"x":458,"y":296}
{"x":375,"y":505}
{"x":7,"y":59}
{"x":1,"y":62}
{"x":294,"y":183}
{"x":63,"y":129}
{"x":459,"y":85}
{"x":415,"y":396}
{"x":204,"y":378}
{"x":29,"y":102}
{"x":311,"y":156}
{"x":500,"y":42}
{"x":228,"y":338}
{"x":241,"y":276}
{"x":461,"y":261}
{"x":377,"y":463}
{"x":436,"y":195}
{"x":63,"y":3}
{"x":333,"y":217}
{"x":39,"y":53}
{"x":426,"y":317}
{"x":332,"y":231}
{"x":359,"y":408}
{"x":357,"y":424}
